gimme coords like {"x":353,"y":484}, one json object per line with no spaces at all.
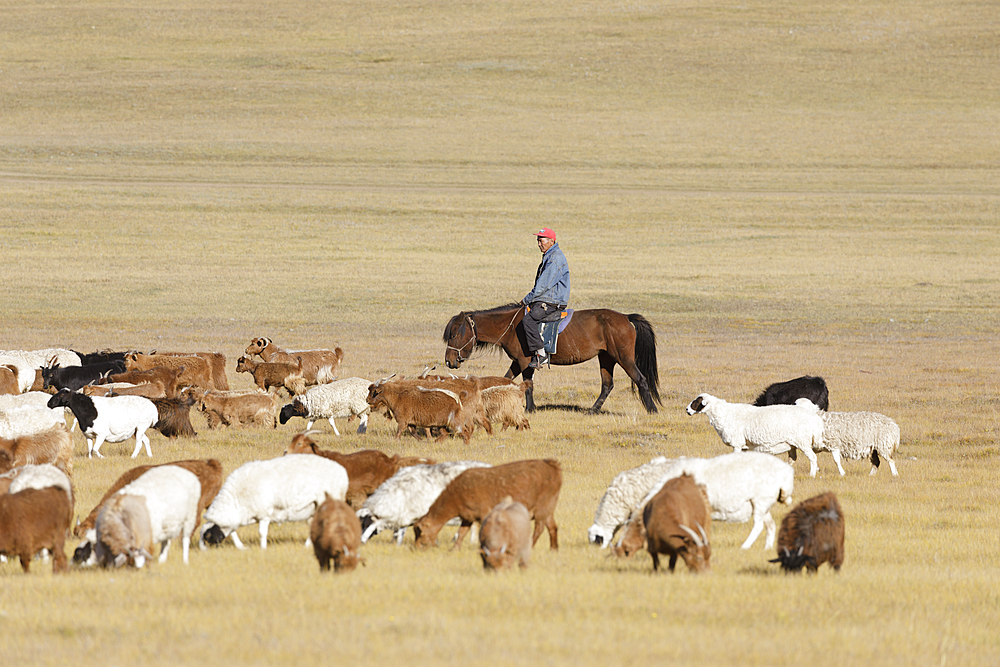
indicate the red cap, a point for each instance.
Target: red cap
{"x":547,"y":233}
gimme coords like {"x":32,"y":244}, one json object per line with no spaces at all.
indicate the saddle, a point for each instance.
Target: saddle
{"x":549,"y":331}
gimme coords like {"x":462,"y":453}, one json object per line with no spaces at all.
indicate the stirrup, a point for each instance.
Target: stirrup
{"x":539,"y":360}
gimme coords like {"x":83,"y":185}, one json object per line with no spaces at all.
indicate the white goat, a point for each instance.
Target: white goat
{"x":29,"y":420}
{"x":740,"y":486}
{"x":624,"y":492}
{"x":110,"y":418}
{"x":341,"y":398}
{"x":407,"y":495}
{"x":772,"y":429}
{"x":288,"y":488}
{"x":170,"y":498}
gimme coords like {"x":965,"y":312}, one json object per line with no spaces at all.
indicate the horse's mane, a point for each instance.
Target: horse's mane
{"x":459,"y":320}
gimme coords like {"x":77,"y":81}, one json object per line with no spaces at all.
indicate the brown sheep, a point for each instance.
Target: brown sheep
{"x":216,"y":363}
{"x":366,"y":469}
{"x":8,"y":380}
{"x":232,"y":408}
{"x":195,"y":370}
{"x":505,"y":404}
{"x":318,"y":366}
{"x":270,"y":376}
{"x":32,"y":520}
{"x":208,"y":472}
{"x":676,"y":522}
{"x":335,"y":532}
{"x":505,"y":536}
{"x":123,"y":534}
{"x":812,"y":534}
{"x":470,"y":496}
{"x":52,"y":446}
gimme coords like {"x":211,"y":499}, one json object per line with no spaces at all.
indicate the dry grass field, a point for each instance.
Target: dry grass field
{"x":780,"y":188}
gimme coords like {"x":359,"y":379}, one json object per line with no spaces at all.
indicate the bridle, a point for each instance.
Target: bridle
{"x":471,"y":341}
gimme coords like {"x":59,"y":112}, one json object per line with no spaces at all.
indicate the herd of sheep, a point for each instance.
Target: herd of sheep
{"x":665,"y":506}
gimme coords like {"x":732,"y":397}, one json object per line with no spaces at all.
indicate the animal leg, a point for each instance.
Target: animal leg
{"x":262,"y":528}
{"x":98,"y":441}
{"x":334,"y":425}
{"x":553,"y":529}
{"x":836,"y":459}
{"x":892,"y":467}
{"x":185,"y":547}
{"x":399,"y":535}
{"x":460,"y":535}
{"x":138,"y":443}
{"x":164,"y":550}
{"x":656,"y":560}
{"x":607,"y":363}
{"x":673,"y":561}
{"x":363,"y":426}
{"x":236,"y":541}
{"x":769,"y":537}
{"x":539,"y":526}
{"x":813,"y":466}
{"x":758,"y":526}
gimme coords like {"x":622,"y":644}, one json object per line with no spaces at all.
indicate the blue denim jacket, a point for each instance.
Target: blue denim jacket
{"x":552,"y":279}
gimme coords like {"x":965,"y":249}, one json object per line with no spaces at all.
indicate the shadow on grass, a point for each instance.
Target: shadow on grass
{"x":562,"y":407}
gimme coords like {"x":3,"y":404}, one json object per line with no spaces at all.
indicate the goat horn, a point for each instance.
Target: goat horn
{"x":702,"y":531}
{"x":694,"y":536}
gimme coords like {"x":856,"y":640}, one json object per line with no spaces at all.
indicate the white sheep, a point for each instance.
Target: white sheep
{"x":25,"y":368}
{"x":288,"y":488}
{"x":38,"y":399}
{"x":622,"y":495}
{"x":38,"y":477}
{"x":29,"y":420}
{"x":345,"y":398}
{"x":110,"y":418}
{"x":772,"y":429}
{"x":858,"y":435}
{"x":169,"y":497}
{"x":740,"y":486}
{"x":407,"y":495}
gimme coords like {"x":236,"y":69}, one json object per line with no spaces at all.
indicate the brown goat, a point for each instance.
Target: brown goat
{"x":146,"y":390}
{"x":335,"y":532}
{"x":677,"y":521}
{"x":163,"y":377}
{"x":32,"y":520}
{"x":274,"y":374}
{"x":470,"y":496}
{"x":505,"y":404}
{"x":208,"y":472}
{"x":194,"y":371}
{"x":216,"y":364}
{"x":419,"y":404}
{"x":505,"y":536}
{"x":366,"y":469}
{"x":52,"y":446}
{"x":318,"y":366}
{"x":8,"y":380}
{"x":175,"y":417}
{"x":233,"y":408}
{"x":812,"y":534}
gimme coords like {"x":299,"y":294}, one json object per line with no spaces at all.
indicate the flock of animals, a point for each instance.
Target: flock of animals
{"x":665,"y":506}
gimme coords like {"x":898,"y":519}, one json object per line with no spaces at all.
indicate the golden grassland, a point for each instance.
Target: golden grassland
{"x":780,"y":188}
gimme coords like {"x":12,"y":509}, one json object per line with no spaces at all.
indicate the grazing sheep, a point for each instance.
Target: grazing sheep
{"x":676,"y":522}
{"x":505,"y":536}
{"x":786,"y":393}
{"x":33,"y":476}
{"x":111,"y":419}
{"x":366,"y":469}
{"x":52,"y":446}
{"x":28,"y":419}
{"x":336,"y":535}
{"x":163,"y":500}
{"x":773,"y":429}
{"x":288,"y":488}
{"x":622,"y":495}
{"x":208,"y":472}
{"x":470,"y":496}
{"x":269,"y":376}
{"x":32,"y":520}
{"x":318,"y":366}
{"x":812,"y":534}
{"x":342,"y":398}
{"x":406,"y":496}
{"x":858,"y":435}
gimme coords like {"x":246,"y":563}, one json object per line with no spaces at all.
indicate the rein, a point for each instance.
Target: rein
{"x":474,"y":338}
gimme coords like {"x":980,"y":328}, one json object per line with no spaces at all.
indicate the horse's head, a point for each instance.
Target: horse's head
{"x":460,"y":337}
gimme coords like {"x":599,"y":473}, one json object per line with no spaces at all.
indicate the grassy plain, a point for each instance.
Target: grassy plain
{"x":780,"y":188}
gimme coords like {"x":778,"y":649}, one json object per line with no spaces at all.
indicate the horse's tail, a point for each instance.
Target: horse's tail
{"x":645,"y":359}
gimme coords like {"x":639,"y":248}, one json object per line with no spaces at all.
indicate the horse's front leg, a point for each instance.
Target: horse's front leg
{"x":527,"y":374}
{"x":607,"y":380}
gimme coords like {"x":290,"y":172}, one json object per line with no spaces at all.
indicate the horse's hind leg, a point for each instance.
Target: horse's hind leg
{"x":607,"y":379}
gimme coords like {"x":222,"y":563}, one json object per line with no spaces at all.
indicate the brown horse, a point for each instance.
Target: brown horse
{"x":612,"y":337}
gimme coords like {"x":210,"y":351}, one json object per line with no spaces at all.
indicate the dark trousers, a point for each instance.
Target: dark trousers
{"x":539,"y":312}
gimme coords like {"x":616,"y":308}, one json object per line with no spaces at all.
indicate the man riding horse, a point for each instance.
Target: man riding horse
{"x":549,"y":297}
